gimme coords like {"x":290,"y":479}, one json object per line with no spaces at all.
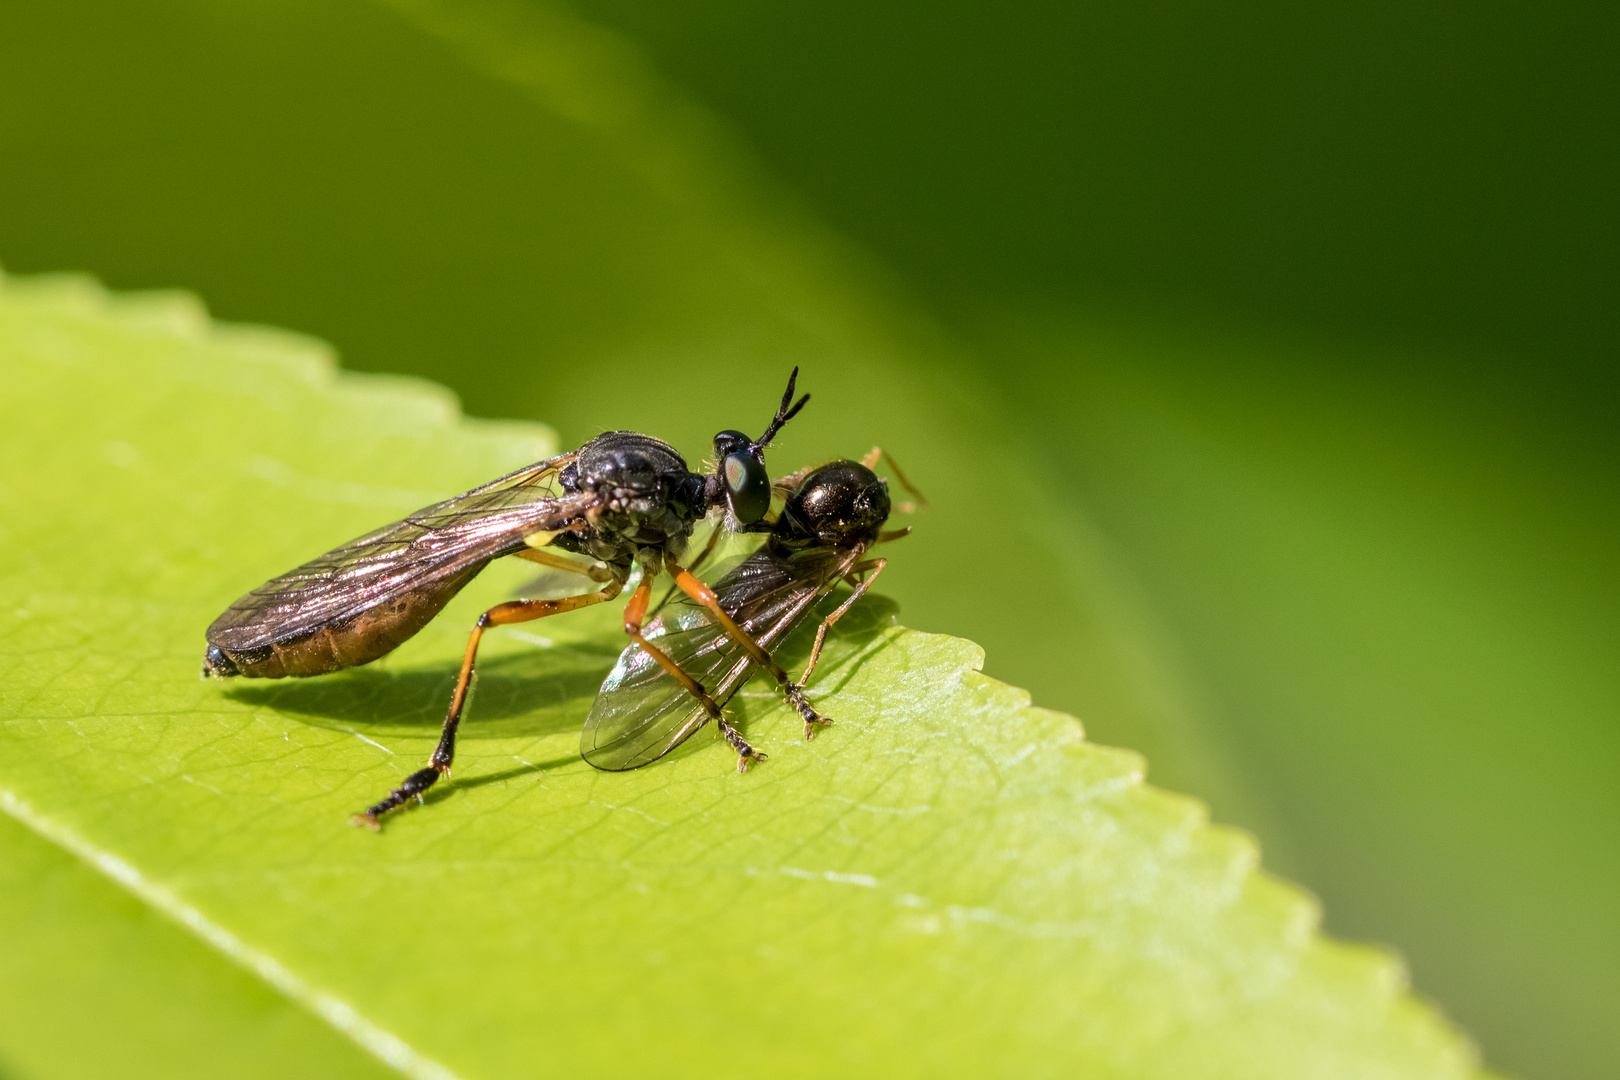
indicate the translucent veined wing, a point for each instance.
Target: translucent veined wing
{"x":435,"y":543}
{"x":641,"y":713}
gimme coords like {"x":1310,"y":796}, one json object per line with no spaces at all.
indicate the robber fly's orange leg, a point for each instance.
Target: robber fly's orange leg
{"x":634,"y":612}
{"x":514,"y":611}
{"x":708,"y":549}
{"x":704,"y":595}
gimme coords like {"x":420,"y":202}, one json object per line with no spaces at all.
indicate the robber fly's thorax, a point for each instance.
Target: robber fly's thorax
{"x":645,"y":493}
{"x":626,"y":461}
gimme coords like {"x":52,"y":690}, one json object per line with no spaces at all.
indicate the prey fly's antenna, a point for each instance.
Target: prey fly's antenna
{"x":783,"y":413}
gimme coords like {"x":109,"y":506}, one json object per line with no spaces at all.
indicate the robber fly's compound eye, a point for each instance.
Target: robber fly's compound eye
{"x":748,"y":488}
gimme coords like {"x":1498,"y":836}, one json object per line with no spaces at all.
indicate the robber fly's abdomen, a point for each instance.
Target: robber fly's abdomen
{"x":373,"y":633}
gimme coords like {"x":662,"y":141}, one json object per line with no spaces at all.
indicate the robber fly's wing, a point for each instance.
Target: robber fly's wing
{"x":641,"y":713}
{"x":430,"y":545}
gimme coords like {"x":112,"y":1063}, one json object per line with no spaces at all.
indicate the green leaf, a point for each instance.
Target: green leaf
{"x":95,"y":983}
{"x":951,"y":880}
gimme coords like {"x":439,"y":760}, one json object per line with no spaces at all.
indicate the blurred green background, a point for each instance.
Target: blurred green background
{"x":1259,"y":360}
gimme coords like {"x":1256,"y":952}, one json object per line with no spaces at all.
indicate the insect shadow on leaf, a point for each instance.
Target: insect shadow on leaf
{"x":541,"y":691}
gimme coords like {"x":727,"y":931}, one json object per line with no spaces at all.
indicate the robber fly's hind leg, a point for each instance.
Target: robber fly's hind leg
{"x":514,"y":611}
{"x":596,"y":571}
{"x":634,"y":613}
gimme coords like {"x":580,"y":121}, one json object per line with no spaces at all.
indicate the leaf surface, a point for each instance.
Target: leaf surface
{"x":93,"y":982}
{"x":950,"y":881}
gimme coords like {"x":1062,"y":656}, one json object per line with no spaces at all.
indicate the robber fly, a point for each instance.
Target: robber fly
{"x":833,"y":515}
{"x":623,"y":500}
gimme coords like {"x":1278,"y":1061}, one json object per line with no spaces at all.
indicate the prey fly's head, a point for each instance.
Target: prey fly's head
{"x":837,"y":505}
{"x":741,"y":474}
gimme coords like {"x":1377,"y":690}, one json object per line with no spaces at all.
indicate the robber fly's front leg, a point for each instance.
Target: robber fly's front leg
{"x":708,"y":549}
{"x":634,"y":612}
{"x":794,"y":693}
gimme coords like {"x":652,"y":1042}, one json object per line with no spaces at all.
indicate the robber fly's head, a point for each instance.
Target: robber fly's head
{"x":839,"y":504}
{"x":742,"y":476}
{"x":741,"y":471}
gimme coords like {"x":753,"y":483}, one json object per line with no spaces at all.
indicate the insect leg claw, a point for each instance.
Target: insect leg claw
{"x":810,"y":723}
{"x":794,"y":692}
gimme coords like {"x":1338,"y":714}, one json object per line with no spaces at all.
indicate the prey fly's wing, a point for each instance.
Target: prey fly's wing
{"x":452,"y":537}
{"x":641,"y":713}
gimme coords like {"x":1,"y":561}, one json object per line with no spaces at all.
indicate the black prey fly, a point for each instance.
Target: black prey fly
{"x":833,"y":516}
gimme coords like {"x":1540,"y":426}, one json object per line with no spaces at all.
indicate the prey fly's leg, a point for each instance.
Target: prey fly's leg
{"x":871,"y":460}
{"x":635,"y":612}
{"x":704,"y":595}
{"x":781,"y":486}
{"x":514,"y":611}
{"x":876,"y":567}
